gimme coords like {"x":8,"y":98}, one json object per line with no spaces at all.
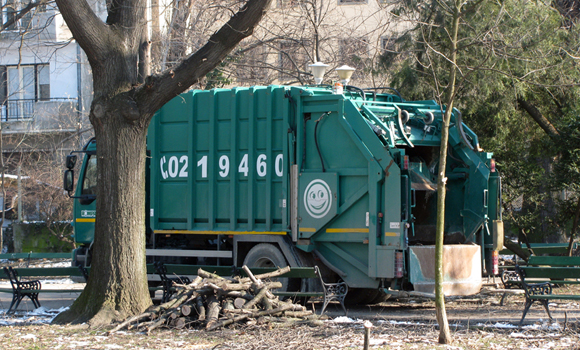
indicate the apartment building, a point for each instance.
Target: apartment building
{"x":45,"y":85}
{"x":298,"y":33}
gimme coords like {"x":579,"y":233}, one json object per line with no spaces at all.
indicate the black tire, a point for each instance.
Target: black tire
{"x":267,"y":255}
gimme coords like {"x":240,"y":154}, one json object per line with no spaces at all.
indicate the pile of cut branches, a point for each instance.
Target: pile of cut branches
{"x":212,"y":301}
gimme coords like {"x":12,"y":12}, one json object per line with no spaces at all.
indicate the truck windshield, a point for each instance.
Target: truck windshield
{"x":90,"y":178}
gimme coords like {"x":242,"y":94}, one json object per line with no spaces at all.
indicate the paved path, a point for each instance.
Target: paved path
{"x":47,"y":300}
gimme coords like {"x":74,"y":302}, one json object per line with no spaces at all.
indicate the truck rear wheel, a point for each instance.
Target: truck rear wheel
{"x":267,"y":255}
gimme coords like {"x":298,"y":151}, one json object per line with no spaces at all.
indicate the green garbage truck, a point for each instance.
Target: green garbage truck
{"x":290,"y":175}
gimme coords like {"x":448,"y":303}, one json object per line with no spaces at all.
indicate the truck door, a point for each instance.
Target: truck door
{"x":85,"y":205}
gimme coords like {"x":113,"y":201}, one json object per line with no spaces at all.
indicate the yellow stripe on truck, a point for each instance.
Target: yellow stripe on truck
{"x":187,"y":232}
{"x":346,"y":230}
{"x":85,"y":220}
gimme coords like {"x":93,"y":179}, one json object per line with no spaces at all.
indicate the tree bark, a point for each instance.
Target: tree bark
{"x":517,"y":249}
{"x":539,"y":118}
{"x":120,"y":114}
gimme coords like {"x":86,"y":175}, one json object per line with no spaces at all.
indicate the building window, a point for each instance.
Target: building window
{"x":352,"y":2}
{"x":354,"y":52}
{"x":22,"y":86}
{"x":10,"y":9}
{"x":388,"y":44}
{"x":287,"y":3}
{"x":293,"y":60}
{"x":250,"y":67}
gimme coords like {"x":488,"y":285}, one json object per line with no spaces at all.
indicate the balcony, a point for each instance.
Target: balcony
{"x":43,"y":112}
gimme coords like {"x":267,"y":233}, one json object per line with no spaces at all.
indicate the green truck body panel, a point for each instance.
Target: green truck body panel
{"x":350,"y":181}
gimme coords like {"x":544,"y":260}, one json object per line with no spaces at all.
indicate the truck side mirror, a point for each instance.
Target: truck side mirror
{"x":71,"y":160}
{"x":69,"y":179}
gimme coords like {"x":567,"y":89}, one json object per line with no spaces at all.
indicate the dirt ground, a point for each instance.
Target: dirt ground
{"x":477,"y":322}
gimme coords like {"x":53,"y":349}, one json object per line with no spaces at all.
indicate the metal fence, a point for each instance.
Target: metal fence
{"x":24,"y":109}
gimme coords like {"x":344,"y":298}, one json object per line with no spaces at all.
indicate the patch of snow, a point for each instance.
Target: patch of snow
{"x":58,"y":281}
{"x":533,"y":335}
{"x":404,"y":323}
{"x":498,"y":325}
{"x":78,"y":344}
{"x":38,"y":316}
{"x":344,"y":319}
{"x":543,"y":325}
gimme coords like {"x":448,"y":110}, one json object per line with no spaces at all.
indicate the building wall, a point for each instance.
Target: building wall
{"x":46,"y":105}
{"x":348,"y":32}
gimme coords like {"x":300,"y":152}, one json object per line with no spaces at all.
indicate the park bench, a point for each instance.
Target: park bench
{"x":542,"y":274}
{"x":512,"y":284}
{"x":331,"y":291}
{"x":21,"y":289}
{"x":543,"y":248}
{"x":32,"y":288}
{"x":167,"y":282}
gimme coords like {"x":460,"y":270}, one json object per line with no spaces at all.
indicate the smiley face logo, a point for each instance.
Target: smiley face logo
{"x":317,"y":198}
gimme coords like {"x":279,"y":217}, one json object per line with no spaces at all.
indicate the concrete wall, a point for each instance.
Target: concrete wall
{"x":36,"y":237}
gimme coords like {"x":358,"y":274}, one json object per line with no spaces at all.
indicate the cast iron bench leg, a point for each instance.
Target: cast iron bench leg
{"x":527,"y":306}
{"x":332,"y":291}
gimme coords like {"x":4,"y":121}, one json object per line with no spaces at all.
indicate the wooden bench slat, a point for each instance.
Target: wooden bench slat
{"x":543,"y":248}
{"x":31,"y":255}
{"x":554,"y":260}
{"x":45,"y":272}
{"x":558,"y":272}
{"x":9,"y":290}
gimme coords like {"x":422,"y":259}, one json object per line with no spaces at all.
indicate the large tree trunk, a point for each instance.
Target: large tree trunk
{"x":115,"y":293}
{"x":120,"y":114}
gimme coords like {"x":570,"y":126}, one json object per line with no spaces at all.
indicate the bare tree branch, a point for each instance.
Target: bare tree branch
{"x":23,"y":12}
{"x":88,"y":30}
{"x":158,"y":90}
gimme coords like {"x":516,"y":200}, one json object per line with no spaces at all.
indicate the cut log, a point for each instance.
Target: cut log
{"x":185,"y":310}
{"x":272,"y":274}
{"x":131,"y":320}
{"x":298,"y":314}
{"x":205,"y":274}
{"x":228,"y":305}
{"x":200,"y":308}
{"x":239,"y":303}
{"x":251,"y":303}
{"x":213,"y":311}
{"x":243,"y":317}
{"x":266,"y":304}
{"x":178,"y":323}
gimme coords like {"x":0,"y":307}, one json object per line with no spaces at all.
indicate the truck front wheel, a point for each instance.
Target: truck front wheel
{"x":267,"y":255}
